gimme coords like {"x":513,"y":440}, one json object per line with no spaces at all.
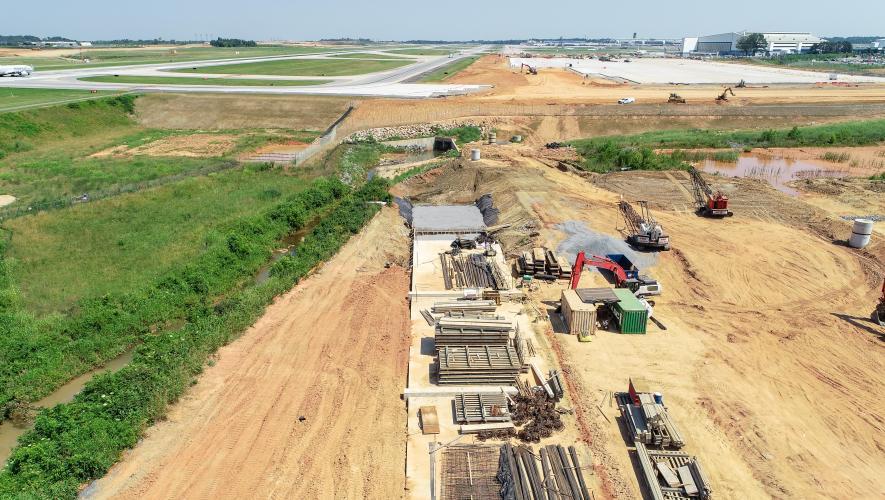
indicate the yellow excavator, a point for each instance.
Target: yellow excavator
{"x":724,"y":95}
{"x":532,"y":69}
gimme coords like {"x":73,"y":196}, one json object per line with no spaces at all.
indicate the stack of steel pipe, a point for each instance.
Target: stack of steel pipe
{"x":478,"y":365}
{"x":463,"y":306}
{"x":472,"y":331}
{"x":649,"y":422}
{"x":553,"y":474}
{"x":672,"y":475}
{"x":473,"y":408}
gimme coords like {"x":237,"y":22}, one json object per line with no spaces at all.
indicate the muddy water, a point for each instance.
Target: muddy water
{"x":11,"y":430}
{"x":290,"y":242}
{"x":778,"y":171}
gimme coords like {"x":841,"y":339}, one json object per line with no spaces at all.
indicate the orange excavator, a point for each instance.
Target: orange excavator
{"x":878,"y":314}
{"x":641,"y":286}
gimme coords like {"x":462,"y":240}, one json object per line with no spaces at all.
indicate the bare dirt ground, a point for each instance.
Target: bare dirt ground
{"x":229,"y":111}
{"x":769,"y":364}
{"x":334,"y":350}
{"x":190,"y":146}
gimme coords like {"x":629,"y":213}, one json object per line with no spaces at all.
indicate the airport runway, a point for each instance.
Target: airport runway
{"x":391,"y":83}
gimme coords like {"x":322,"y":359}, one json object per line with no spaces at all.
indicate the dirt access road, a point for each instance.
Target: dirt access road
{"x":334,"y":350}
{"x":769,"y":365}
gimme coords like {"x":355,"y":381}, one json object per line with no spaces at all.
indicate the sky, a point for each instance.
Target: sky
{"x":440,"y":20}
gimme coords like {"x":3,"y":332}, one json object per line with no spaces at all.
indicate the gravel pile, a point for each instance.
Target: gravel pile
{"x":414,"y":131}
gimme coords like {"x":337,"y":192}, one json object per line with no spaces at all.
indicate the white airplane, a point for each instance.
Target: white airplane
{"x":16,"y":70}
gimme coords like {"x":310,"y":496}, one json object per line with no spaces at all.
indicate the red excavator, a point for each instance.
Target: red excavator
{"x":878,"y":314}
{"x":709,"y":204}
{"x":639,"y":285}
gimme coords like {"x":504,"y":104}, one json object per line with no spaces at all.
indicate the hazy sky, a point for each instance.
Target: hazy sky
{"x":445,"y":20}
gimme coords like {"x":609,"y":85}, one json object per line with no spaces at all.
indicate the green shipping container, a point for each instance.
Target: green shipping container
{"x":630,"y":313}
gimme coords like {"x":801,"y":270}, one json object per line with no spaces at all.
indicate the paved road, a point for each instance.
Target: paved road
{"x":382,"y":84}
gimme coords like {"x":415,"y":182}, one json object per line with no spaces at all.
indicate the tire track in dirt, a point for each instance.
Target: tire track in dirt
{"x":333,"y":351}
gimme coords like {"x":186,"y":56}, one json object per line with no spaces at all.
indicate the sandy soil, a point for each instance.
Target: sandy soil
{"x":334,"y":351}
{"x":769,"y":363}
{"x":190,"y":146}
{"x":565,"y":86}
{"x":6,"y":199}
{"x":220,"y":111}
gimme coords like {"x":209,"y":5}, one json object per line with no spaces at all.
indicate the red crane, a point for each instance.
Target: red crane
{"x":709,"y":204}
{"x":879,"y":313}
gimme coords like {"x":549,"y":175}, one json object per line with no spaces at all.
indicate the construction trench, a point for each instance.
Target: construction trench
{"x":482,"y":348}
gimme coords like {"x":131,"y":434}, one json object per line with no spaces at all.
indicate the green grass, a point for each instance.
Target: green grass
{"x":366,"y":55}
{"x":449,"y":70}
{"x":603,"y":154}
{"x":186,"y":80}
{"x":74,"y":443}
{"x":12,"y":99}
{"x":113,"y":245}
{"x":303,"y":67}
{"x":422,"y":52}
{"x":119,"y":57}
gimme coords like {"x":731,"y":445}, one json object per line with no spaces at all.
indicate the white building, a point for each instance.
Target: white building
{"x":777,"y":43}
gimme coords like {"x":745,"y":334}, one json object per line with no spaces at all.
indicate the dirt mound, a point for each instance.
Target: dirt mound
{"x":188,"y":146}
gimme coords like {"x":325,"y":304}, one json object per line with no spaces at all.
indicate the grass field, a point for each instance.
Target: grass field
{"x":366,"y":55}
{"x":449,"y":70}
{"x":185,"y":80}
{"x":303,"y":67}
{"x":423,"y":52}
{"x":120,"y":57}
{"x":110,"y":246}
{"x":12,"y":99}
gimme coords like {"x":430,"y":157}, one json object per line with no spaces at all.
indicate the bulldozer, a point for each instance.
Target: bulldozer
{"x":879,"y":313}
{"x":723,"y":97}
{"x":676,"y":99}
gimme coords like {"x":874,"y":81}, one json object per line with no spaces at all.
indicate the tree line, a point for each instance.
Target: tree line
{"x":232,"y":42}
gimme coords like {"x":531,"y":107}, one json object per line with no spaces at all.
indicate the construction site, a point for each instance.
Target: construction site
{"x":518,"y":325}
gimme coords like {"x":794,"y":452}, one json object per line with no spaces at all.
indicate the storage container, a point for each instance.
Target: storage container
{"x":580,"y":317}
{"x":631,"y":314}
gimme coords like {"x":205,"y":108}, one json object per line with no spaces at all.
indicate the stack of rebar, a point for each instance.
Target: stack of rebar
{"x":478,"y":365}
{"x":464,"y":306}
{"x":452,"y":331}
{"x":553,"y":474}
{"x":472,"y":271}
{"x":473,"y":408}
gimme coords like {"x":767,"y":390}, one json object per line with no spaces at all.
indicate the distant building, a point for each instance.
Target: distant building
{"x":726,"y":43}
{"x":878,"y":44}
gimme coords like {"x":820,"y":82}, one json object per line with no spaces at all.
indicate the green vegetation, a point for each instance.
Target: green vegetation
{"x":185,"y":80}
{"x":368,"y":55}
{"x":12,"y":99}
{"x":303,"y":67}
{"x":835,"y":157}
{"x":77,"y":442}
{"x":232,"y":42}
{"x":412,"y":172}
{"x":465,"y":134}
{"x":118,"y":57}
{"x":449,"y":70}
{"x":422,"y":52}
{"x":752,"y":43}
{"x":603,"y":154}
{"x":40,"y":354}
{"x":124,"y":241}
{"x":880,"y":177}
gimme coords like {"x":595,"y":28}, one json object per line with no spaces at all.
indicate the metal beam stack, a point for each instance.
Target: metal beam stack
{"x":472,"y":331}
{"x":478,"y":365}
{"x":672,"y":475}
{"x":472,"y":271}
{"x":464,"y":307}
{"x":553,"y":474}
{"x":474,"y":408}
{"x":649,"y":422}
{"x":544,"y":263}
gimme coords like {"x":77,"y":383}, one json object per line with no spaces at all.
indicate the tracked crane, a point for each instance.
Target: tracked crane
{"x":879,"y":313}
{"x":709,"y":204}
{"x":644,"y":231}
